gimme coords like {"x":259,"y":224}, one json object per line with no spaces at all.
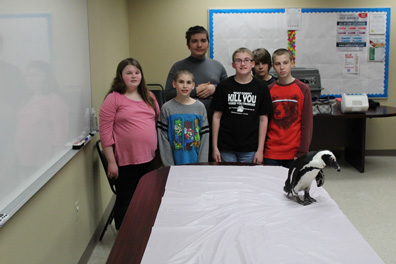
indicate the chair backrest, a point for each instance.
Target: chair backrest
{"x":158,"y":91}
{"x":104,"y":163}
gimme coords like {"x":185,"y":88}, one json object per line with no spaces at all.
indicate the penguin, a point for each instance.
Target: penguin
{"x":304,"y":170}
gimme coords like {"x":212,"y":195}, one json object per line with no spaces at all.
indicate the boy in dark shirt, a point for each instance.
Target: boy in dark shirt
{"x":241,"y":107}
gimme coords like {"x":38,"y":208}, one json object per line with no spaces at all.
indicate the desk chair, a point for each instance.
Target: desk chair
{"x":111,"y":182}
{"x":158,"y":92}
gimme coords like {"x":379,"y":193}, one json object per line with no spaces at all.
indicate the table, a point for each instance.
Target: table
{"x":348,"y":131}
{"x":135,"y":231}
{"x":339,"y":239}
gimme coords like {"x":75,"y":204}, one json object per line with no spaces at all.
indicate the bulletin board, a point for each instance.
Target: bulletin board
{"x":316,"y":40}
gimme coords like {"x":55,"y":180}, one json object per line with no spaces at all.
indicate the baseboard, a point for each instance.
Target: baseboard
{"x":381,"y":152}
{"x":95,"y":237}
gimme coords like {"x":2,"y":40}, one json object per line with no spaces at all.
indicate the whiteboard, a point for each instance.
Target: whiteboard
{"x":315,"y":45}
{"x":45,"y":93}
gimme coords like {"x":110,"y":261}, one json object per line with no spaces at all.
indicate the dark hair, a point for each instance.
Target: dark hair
{"x":183,"y":71}
{"x":196,"y":30}
{"x":119,"y":86}
{"x":262,"y":55}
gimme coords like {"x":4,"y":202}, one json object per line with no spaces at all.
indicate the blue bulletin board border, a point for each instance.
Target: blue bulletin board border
{"x":387,"y":10}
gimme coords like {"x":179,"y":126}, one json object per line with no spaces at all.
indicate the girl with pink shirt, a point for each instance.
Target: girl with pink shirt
{"x":127,"y":128}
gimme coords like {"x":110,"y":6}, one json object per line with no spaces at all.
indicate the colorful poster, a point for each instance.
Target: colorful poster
{"x":376,"y":49}
{"x":351,"y":30}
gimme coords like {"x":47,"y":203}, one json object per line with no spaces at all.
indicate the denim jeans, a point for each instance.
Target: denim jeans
{"x":232,"y":156}
{"x":283,"y":163}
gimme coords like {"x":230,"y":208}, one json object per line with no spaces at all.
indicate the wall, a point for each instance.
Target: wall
{"x":46,"y":229}
{"x":157,"y":31}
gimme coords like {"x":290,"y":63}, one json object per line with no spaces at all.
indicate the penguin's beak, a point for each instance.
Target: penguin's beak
{"x":336,"y":166}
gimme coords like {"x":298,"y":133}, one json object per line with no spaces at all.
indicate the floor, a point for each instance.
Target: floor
{"x":367,"y":199}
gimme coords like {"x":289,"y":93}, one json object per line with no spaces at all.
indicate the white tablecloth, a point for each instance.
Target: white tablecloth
{"x":240,"y":214}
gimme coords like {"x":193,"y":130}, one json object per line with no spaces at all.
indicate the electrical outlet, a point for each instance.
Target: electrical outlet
{"x":77,"y":210}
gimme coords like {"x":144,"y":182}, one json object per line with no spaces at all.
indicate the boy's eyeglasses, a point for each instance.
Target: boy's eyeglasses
{"x":239,"y":61}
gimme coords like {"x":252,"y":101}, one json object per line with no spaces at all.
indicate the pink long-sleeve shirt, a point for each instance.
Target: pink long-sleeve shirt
{"x":130,"y":127}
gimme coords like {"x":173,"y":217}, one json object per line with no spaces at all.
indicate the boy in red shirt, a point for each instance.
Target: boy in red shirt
{"x":290,"y":128}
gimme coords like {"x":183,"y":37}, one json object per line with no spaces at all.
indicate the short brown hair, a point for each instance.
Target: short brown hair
{"x":183,"y":71}
{"x":280,"y":52}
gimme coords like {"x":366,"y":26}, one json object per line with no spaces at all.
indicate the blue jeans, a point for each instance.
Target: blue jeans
{"x":273,"y":162}
{"x":232,"y":156}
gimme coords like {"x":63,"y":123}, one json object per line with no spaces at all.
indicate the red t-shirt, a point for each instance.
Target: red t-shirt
{"x":290,"y":127}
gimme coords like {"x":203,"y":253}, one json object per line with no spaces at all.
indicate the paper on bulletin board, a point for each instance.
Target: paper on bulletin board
{"x":377,"y":23}
{"x":376,"y":49}
{"x":351,"y":63}
{"x":250,"y":30}
{"x":293,"y":18}
{"x":351,"y":30}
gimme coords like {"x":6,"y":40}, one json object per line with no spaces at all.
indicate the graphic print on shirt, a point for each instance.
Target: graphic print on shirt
{"x":186,"y":134}
{"x":241,"y":103}
{"x":285,"y":111}
{"x":197,"y":137}
{"x":178,"y":136}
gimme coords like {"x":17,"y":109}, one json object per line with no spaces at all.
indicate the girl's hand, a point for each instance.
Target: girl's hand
{"x":112,"y":170}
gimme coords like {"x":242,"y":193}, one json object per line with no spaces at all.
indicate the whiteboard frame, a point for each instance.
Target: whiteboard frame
{"x":20,"y":195}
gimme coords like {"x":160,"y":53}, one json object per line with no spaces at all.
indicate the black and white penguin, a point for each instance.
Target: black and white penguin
{"x":304,"y":170}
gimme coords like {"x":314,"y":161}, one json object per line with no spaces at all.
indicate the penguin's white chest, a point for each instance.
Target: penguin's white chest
{"x":306,"y":180}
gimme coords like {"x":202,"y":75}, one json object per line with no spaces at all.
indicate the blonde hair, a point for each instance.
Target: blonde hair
{"x":242,"y":50}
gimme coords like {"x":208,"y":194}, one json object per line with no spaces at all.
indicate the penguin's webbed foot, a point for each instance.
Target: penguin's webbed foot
{"x":303,"y":202}
{"x":308,"y":198}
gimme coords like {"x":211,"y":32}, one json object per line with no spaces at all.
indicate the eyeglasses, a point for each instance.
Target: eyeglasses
{"x":239,"y":61}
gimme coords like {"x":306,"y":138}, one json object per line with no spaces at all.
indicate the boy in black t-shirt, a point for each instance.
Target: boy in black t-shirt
{"x":241,"y":107}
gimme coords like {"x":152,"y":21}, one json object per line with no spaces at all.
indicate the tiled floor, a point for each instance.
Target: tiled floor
{"x":103,"y":248}
{"x":367,"y":199}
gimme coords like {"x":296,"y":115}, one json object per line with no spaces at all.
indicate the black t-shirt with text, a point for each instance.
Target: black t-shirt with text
{"x":241,"y":106}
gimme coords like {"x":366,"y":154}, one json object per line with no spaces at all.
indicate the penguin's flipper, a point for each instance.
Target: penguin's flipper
{"x":320,"y":178}
{"x":295,"y":174}
{"x":288,"y":187}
